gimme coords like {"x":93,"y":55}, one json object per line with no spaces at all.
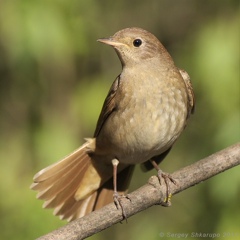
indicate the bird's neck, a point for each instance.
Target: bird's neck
{"x":143,"y":70}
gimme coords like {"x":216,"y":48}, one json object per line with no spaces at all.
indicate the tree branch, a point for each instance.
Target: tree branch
{"x":148,"y":195}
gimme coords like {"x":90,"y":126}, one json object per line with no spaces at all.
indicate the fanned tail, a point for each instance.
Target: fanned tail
{"x":58,"y":184}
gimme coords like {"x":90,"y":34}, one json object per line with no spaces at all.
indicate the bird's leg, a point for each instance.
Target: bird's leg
{"x":116,"y":196}
{"x":166,"y":177}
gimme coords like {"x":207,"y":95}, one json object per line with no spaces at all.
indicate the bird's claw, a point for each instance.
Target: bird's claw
{"x":117,"y":200}
{"x":166,"y":177}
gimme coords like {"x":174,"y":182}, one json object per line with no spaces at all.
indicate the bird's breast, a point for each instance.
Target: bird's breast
{"x":146,"y":122}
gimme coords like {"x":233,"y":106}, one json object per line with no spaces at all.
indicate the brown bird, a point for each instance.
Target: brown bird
{"x":144,"y":113}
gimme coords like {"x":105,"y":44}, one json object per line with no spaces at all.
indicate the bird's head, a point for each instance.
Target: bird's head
{"x":135,"y":45}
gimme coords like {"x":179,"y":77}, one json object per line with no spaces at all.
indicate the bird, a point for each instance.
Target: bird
{"x":144,"y":113}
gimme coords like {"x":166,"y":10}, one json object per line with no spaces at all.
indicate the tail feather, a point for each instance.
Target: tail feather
{"x":60,"y":166}
{"x":58,"y":184}
{"x":100,"y":198}
{"x":79,"y":208}
{"x":66,"y":192}
{"x":63,"y":185}
{"x":64,"y":207}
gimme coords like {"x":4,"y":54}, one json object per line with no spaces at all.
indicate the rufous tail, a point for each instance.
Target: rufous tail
{"x":74,"y":188}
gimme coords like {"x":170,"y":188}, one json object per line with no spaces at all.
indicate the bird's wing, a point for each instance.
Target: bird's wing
{"x":109,"y":106}
{"x":191,"y":98}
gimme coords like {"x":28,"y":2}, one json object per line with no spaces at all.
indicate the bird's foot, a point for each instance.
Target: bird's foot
{"x":167,"y":179}
{"x":117,"y":200}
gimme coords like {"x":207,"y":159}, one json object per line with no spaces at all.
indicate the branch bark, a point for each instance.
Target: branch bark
{"x":148,"y":195}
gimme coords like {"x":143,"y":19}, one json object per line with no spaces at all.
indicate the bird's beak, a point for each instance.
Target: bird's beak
{"x":110,"y":41}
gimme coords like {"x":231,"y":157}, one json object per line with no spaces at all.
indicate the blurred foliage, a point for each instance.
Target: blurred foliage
{"x":54,"y":77}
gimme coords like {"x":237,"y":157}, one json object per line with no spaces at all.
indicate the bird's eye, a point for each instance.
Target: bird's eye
{"x":137,"y":42}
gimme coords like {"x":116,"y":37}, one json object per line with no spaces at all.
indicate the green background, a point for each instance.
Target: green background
{"x":54,"y":77}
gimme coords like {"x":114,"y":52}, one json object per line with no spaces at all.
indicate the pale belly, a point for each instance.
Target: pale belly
{"x":135,"y":135}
